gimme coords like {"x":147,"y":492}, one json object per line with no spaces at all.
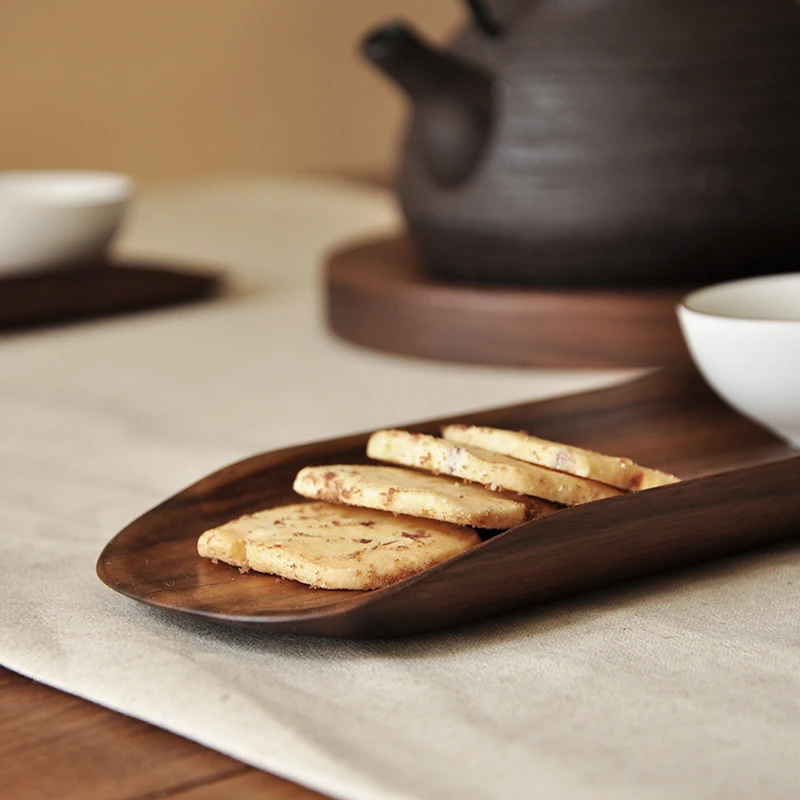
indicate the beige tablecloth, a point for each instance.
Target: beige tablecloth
{"x":681,"y":687}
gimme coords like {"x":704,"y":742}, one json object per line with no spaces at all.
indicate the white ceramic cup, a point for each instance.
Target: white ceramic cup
{"x":744,"y":337}
{"x":59,"y":217}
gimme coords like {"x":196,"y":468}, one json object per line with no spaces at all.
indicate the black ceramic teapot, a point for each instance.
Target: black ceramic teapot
{"x":603,"y":142}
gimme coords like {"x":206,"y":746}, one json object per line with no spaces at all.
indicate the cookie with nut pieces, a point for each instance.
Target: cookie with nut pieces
{"x":613,"y":470}
{"x":483,"y":466}
{"x":405,"y":491}
{"x":334,"y":546}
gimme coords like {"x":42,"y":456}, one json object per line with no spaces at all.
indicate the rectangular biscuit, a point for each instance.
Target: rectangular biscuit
{"x":483,"y":466}
{"x":333,"y":546}
{"x":419,"y":494}
{"x":613,"y":470}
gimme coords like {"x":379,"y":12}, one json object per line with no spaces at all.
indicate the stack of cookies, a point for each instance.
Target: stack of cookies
{"x":371,"y":525}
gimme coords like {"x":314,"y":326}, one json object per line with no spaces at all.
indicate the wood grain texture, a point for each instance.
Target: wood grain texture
{"x":98,"y":290}
{"x":739,"y":492}
{"x":379,"y":296}
{"x":59,"y":746}
{"x":250,"y":785}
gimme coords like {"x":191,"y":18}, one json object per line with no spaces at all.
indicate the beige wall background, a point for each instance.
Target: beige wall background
{"x":167,"y":89}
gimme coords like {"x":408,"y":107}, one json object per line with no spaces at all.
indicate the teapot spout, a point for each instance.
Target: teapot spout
{"x":453,"y":99}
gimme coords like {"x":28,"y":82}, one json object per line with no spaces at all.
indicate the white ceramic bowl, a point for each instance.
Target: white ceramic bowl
{"x":744,"y":337}
{"x":57,"y":218}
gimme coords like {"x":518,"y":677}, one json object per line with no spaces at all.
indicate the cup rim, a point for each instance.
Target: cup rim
{"x":73,"y":188}
{"x":689,"y":303}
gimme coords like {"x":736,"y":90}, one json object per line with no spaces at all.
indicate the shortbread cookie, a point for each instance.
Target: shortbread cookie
{"x":419,"y":494}
{"x":615,"y":471}
{"x":335,"y":546}
{"x":483,"y":466}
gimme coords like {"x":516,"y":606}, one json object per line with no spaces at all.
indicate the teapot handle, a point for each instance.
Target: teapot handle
{"x":485,"y":19}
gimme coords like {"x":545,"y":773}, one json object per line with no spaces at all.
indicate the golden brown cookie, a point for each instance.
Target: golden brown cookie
{"x":335,"y":546}
{"x":613,"y":470}
{"x":483,"y":466}
{"x":419,"y":494}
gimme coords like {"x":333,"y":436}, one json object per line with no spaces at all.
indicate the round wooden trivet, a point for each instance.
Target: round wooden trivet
{"x":378,"y":296}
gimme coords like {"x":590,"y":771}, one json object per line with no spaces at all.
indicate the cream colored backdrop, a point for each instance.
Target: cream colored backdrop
{"x":177,"y":88}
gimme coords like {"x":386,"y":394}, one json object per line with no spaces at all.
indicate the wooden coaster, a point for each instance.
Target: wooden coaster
{"x":378,"y":296}
{"x":98,"y":290}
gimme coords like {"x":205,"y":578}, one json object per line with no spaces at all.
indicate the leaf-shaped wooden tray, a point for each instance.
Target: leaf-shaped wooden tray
{"x":740,"y":490}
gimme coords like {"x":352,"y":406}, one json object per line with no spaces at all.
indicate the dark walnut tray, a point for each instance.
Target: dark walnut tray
{"x":740,"y":491}
{"x":99,"y":290}
{"x":379,"y":296}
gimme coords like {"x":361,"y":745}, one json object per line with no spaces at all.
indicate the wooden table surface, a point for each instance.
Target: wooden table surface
{"x":56,"y":746}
